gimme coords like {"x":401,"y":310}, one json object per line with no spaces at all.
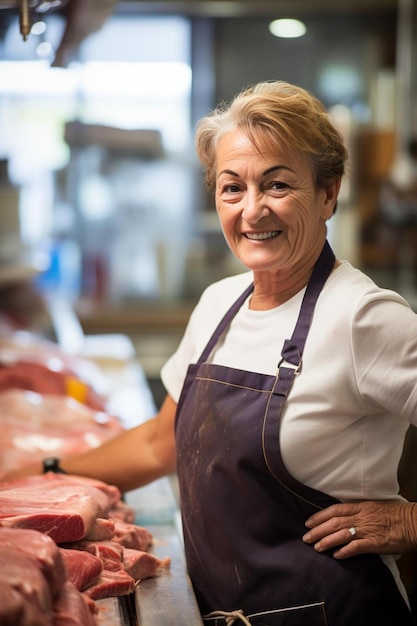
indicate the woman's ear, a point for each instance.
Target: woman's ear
{"x":331,"y":195}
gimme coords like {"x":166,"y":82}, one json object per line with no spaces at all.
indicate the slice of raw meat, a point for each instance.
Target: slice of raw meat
{"x":36,"y":426}
{"x":14,"y":609}
{"x":140,"y":565}
{"x":42,"y":549}
{"x":64,"y":510}
{"x":109,"y":552}
{"x":83,"y":568}
{"x":132,"y":536}
{"x":112,"y":492}
{"x":122,"y":512}
{"x":111,"y":584}
{"x":102,"y":530}
{"x":36,"y":377}
{"x":22,"y":574}
{"x":72,"y":608}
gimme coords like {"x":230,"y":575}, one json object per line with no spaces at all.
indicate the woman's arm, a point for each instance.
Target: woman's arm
{"x":132,"y":459}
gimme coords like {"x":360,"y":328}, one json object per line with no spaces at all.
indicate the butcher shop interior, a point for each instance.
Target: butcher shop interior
{"x":101,"y":265}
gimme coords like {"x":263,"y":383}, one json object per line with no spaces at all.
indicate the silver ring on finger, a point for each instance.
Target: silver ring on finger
{"x":352,"y":531}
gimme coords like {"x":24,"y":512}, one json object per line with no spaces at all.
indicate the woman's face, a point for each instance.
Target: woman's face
{"x":272,"y":215}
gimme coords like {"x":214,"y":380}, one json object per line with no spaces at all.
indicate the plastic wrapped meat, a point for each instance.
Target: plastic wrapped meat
{"x":36,"y":426}
{"x":36,"y":364}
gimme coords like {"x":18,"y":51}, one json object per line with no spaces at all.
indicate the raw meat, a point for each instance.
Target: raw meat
{"x":132,"y":536}
{"x":117,"y":583}
{"x":109,"y":552}
{"x":14,"y":609}
{"x":122,"y":512}
{"x":82,"y":567}
{"x":72,"y":608}
{"x":69,"y":509}
{"x":102,"y":529}
{"x":140,"y":565}
{"x":112,"y":492}
{"x":23,"y":575}
{"x":42,"y":549}
{"x":59,"y":506}
{"x":35,"y":426}
{"x":41,"y":379}
{"x":34,"y":585}
{"x":28,"y":347}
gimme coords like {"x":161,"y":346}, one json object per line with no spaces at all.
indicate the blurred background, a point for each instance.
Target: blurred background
{"x":106,"y":229}
{"x":102,"y":203}
{"x":103,"y":212}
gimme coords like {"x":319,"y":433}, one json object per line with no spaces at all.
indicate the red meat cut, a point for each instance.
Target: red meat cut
{"x":37,"y":377}
{"x":72,"y":608}
{"x":36,"y":426}
{"x":109,"y":552}
{"x":82,"y":567}
{"x":111,"y":584}
{"x":14,"y":609}
{"x":61,"y":507}
{"x":42,"y":549}
{"x":21,"y":573}
{"x":132,"y":536}
{"x":140,"y":565}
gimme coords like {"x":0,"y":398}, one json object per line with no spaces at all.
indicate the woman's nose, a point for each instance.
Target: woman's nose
{"x":254,"y":207}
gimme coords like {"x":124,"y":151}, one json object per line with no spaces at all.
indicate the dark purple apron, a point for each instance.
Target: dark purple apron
{"x":244,"y":514}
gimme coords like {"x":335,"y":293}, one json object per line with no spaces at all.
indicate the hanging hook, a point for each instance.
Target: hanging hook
{"x":25,"y":18}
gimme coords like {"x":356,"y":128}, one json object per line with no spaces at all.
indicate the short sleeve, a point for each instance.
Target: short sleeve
{"x":384,"y":344}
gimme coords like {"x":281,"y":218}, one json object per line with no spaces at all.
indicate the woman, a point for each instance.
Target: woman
{"x":287,"y":428}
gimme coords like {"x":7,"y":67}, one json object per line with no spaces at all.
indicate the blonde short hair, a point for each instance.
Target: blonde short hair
{"x":271,"y":113}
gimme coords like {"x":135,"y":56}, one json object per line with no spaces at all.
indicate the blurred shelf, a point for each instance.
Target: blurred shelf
{"x":133,"y":317}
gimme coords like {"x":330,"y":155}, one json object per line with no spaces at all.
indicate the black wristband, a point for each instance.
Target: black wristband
{"x":52,"y":465}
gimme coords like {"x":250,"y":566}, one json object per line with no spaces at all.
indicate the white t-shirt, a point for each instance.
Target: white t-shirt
{"x":349,"y":408}
{"x":344,"y":422}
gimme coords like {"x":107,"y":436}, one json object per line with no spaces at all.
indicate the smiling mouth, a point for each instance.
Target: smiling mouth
{"x":269,"y":234}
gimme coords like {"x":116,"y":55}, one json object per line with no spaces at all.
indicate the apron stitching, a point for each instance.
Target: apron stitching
{"x":288,"y":608}
{"x":222,"y":382}
{"x":269,"y":466}
{"x":231,"y":616}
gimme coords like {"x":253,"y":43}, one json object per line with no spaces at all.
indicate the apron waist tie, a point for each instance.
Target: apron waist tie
{"x":230,"y":617}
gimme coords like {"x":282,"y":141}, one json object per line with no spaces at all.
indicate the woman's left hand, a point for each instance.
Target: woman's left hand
{"x":380,"y":527}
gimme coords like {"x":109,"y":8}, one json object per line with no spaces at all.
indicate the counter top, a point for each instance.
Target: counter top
{"x":169,"y":598}
{"x":165,"y":599}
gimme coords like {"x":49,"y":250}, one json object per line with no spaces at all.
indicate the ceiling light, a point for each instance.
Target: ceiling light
{"x":38,"y":28}
{"x":288,"y":28}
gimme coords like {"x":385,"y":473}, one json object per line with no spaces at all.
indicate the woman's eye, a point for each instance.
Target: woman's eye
{"x":231,"y":189}
{"x":279,"y":185}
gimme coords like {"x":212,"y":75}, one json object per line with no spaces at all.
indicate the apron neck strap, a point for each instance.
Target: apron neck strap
{"x":293,"y":348}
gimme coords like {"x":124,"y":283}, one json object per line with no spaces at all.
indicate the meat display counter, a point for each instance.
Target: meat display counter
{"x":168,"y":598}
{"x":165,"y":600}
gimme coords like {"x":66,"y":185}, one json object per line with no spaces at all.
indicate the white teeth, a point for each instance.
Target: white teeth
{"x":267,"y":235}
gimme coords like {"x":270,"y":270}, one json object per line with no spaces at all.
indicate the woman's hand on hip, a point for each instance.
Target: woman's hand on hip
{"x":379,"y":527}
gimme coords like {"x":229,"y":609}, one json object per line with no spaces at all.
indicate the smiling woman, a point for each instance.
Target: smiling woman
{"x":289,"y":395}
{"x":275,"y":164}
{"x":272,"y":215}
